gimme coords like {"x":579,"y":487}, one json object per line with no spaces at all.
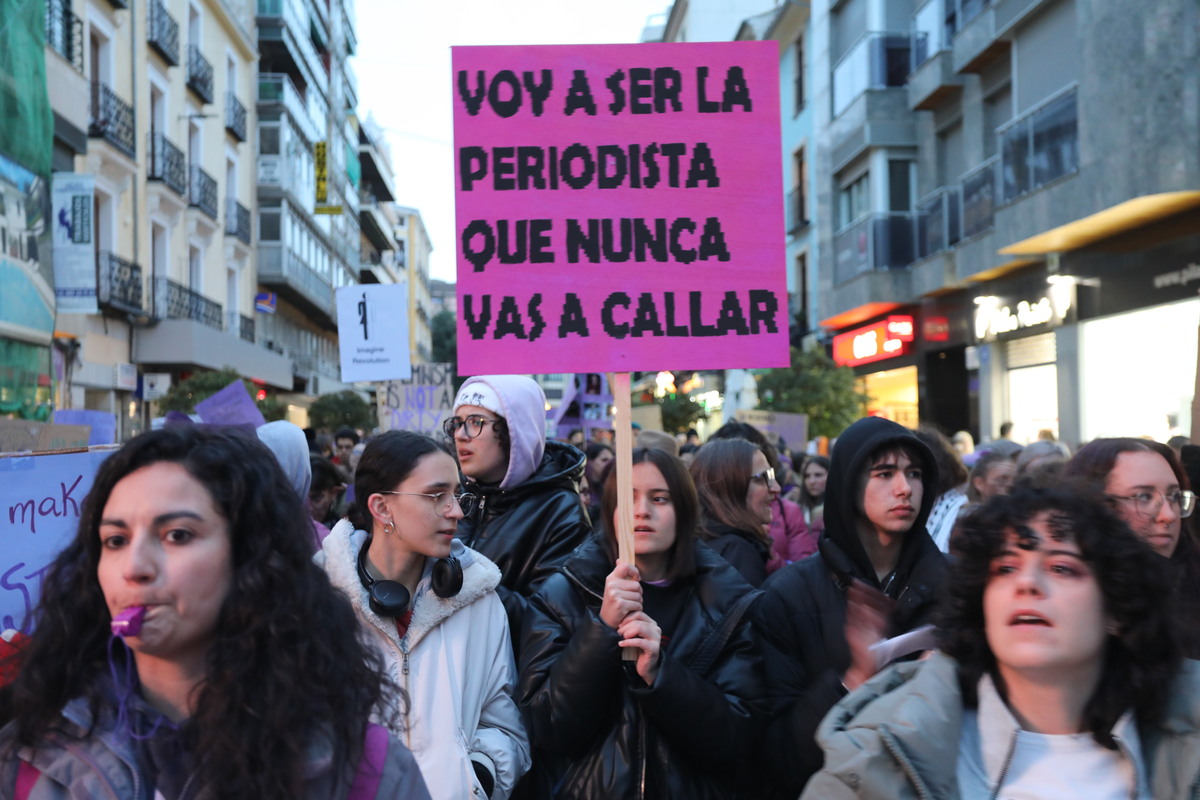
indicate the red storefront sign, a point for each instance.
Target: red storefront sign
{"x":887,"y":338}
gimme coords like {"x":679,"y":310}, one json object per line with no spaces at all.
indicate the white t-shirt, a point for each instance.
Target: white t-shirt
{"x":1033,"y":766}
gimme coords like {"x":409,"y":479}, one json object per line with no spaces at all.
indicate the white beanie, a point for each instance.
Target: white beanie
{"x":478,"y":394}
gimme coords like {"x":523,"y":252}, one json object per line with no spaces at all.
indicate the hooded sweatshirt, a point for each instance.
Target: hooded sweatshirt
{"x":802,"y":613}
{"x":533,"y":519}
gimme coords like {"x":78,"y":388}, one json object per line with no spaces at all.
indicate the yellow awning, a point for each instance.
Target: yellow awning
{"x":1120,"y":218}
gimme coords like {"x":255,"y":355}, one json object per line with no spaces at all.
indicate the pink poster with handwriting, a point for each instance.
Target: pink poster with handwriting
{"x":619,"y":208}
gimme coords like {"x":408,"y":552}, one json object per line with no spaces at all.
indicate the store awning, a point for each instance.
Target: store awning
{"x":858,"y":314}
{"x":1120,"y":218}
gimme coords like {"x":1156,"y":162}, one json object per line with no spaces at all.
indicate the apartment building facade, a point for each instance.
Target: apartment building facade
{"x":151,"y":105}
{"x":1011,"y":223}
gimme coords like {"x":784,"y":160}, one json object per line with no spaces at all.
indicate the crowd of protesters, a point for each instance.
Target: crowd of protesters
{"x":914,"y":614}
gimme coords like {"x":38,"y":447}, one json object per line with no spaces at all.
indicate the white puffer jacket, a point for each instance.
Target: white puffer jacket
{"x":456,"y":664}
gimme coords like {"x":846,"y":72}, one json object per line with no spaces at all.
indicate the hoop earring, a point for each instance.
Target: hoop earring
{"x":388,"y":529}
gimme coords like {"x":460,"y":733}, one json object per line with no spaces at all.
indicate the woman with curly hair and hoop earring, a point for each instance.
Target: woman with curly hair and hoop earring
{"x":1060,"y":675}
{"x":429,"y":605}
{"x":185,"y":646}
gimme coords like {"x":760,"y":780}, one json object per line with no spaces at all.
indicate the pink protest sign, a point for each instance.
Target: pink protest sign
{"x":619,"y":208}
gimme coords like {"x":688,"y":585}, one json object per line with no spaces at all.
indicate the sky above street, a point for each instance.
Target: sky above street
{"x":404,"y":81}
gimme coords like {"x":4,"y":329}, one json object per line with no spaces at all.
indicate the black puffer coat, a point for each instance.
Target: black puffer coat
{"x":688,"y":736}
{"x":529,"y":530}
{"x":801,"y":615}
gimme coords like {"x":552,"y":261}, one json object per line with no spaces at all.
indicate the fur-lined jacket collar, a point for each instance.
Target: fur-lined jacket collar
{"x":339,"y":558}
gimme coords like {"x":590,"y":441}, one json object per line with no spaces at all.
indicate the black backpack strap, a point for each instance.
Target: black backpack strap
{"x":711,"y":647}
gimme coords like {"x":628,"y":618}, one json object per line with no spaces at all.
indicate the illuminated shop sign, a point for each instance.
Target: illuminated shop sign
{"x":995,"y":316}
{"x":885,"y":339}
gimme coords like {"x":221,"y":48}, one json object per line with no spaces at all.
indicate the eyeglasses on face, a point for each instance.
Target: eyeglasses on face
{"x":767,"y":476}
{"x":472,"y":425}
{"x":1148,"y":502}
{"x":443,"y":502}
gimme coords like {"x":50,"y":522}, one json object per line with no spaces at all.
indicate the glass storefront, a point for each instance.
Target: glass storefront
{"x":893,"y":394}
{"x":1138,"y":372}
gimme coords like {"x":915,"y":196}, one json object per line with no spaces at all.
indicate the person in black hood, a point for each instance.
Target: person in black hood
{"x":529,"y":516}
{"x":876,"y":575}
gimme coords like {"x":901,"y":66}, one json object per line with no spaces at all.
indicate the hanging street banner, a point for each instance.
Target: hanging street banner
{"x":619,"y":208}
{"x":72,"y":198}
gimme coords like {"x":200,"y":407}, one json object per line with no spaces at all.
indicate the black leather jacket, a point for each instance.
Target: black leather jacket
{"x":688,"y":736}
{"x":528,"y":531}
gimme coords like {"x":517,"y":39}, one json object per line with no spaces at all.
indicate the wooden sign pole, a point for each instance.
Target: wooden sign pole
{"x":624,"y":446}
{"x":623,"y":439}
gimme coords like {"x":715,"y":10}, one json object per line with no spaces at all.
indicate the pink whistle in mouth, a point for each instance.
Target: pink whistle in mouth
{"x":129,"y":621}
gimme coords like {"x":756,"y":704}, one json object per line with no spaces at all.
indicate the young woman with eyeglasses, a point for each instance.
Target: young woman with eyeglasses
{"x":1146,"y":484}
{"x":736,"y":486}
{"x":428,"y":603}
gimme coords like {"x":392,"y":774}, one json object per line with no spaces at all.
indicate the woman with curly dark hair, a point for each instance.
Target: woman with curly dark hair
{"x":185,"y":645}
{"x":1060,"y":674}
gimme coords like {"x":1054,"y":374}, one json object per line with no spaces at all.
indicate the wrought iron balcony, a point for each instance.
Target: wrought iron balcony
{"x":112,"y":119}
{"x":175,"y":301}
{"x":202,"y":192}
{"x":162,"y":32}
{"x":246,"y":328}
{"x":168,"y":165}
{"x":235,"y":117}
{"x":64,"y":32}
{"x":200,"y":74}
{"x":118,"y":283}
{"x":237,"y":220}
{"x":797,"y":212}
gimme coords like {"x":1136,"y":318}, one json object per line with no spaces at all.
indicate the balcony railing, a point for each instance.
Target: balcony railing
{"x":1040,"y":146}
{"x":112,"y":119}
{"x":277,"y":87}
{"x":200,"y":74}
{"x":979,"y":198}
{"x":118,"y":283}
{"x":162,"y":32}
{"x":960,"y":12}
{"x":167,"y":164}
{"x":175,"y":301}
{"x":928,"y":37}
{"x":64,"y":32}
{"x":237,"y":220}
{"x":202,"y":192}
{"x":240,"y":325}
{"x":876,"y":241}
{"x":235,"y":116}
{"x":876,"y":61}
{"x":938,"y":223}
{"x":280,"y":265}
{"x":797,"y":210}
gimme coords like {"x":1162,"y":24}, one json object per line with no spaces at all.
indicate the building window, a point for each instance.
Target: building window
{"x":797,"y":204}
{"x":900,"y":185}
{"x":799,"y":76}
{"x":854,"y":200}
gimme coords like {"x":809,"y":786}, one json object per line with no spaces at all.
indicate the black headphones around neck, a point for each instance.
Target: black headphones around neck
{"x":391,"y":598}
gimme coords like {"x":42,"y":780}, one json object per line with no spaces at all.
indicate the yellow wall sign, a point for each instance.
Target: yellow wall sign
{"x":322,"y":173}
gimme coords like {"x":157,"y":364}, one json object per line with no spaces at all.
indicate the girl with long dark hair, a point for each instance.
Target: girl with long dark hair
{"x":680,"y":720}
{"x":428,"y":605}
